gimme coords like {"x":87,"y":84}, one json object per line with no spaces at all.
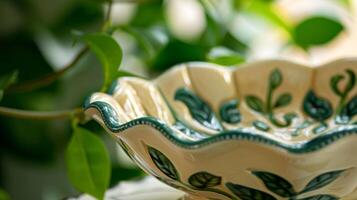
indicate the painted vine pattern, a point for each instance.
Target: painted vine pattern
{"x":199,"y":109}
{"x":205,"y":181}
{"x":267,"y":108}
{"x":202,"y":181}
{"x":318,"y":109}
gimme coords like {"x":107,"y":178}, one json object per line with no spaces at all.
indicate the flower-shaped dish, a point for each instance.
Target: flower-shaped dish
{"x":262,"y":131}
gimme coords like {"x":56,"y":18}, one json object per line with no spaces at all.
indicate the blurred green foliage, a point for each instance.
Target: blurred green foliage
{"x":88,"y":163}
{"x":24,"y":57}
{"x":4,"y":195}
{"x":316,"y":30}
{"x":109,"y":53}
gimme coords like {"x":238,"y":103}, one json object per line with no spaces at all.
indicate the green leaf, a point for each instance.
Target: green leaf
{"x":224,"y":56}
{"x":4,"y":195}
{"x":232,"y":42}
{"x":246,"y":193}
{"x":275,"y":79}
{"x":316,"y":107}
{"x":215,"y":30}
{"x":350,"y":110}
{"x":199,"y":109}
{"x":255,"y":103}
{"x":109,"y":53}
{"x":316,"y":30}
{"x":321,"y":197}
{"x":175,"y":52}
{"x":322,"y":180}
{"x":88,"y":164}
{"x":148,"y":13}
{"x":276,"y":184}
{"x":229,"y":112}
{"x":163,"y":163}
{"x":150,"y":41}
{"x":283,"y":100}
{"x":6,"y":80}
{"x":204,"y":180}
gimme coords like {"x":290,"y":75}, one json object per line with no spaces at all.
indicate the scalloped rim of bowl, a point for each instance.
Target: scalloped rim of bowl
{"x":312,"y":145}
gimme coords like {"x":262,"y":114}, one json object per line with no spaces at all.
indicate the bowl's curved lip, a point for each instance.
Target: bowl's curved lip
{"x":312,"y":145}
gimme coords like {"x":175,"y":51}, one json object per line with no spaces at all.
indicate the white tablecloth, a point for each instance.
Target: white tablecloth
{"x":146,"y":189}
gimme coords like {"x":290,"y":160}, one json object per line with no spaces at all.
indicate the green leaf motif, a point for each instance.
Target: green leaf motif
{"x":276,"y":184}
{"x":316,"y":107}
{"x":246,"y":193}
{"x":109,"y":53}
{"x":261,"y":125}
{"x":322,"y":180}
{"x":88,"y":164}
{"x":255,"y":103}
{"x":204,"y":180}
{"x":321,"y":197}
{"x":275,"y":79}
{"x":163,"y":163}
{"x":316,"y":30}
{"x":350,"y":110}
{"x":199,"y":109}
{"x":229,"y":112}
{"x":283,"y":100}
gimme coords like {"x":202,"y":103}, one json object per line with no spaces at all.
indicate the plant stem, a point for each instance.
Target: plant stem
{"x":341,"y":103}
{"x":269,"y":108}
{"x":39,"y":115}
{"x":109,"y":12}
{"x":107,"y":22}
{"x":47,"y":79}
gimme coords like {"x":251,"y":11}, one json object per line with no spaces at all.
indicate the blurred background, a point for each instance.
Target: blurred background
{"x":38,"y":37}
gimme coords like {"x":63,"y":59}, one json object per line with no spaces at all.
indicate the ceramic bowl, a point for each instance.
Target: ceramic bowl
{"x":267,"y":130}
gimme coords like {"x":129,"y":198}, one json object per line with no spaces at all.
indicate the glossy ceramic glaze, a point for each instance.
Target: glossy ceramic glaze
{"x":261,"y":131}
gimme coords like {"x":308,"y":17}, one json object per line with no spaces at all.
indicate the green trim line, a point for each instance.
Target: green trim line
{"x":112,"y":123}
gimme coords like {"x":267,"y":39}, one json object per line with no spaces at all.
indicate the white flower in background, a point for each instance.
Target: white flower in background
{"x":122,"y":12}
{"x":186,"y":18}
{"x":268,"y":42}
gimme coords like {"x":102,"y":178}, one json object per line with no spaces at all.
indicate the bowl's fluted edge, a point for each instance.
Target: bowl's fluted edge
{"x":313,"y":145}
